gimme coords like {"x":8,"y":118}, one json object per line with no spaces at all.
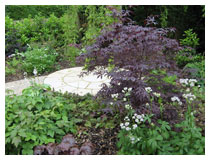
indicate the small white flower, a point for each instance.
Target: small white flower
{"x":183,"y":81}
{"x":192,"y":84}
{"x":189,"y":96}
{"x":121,"y":124}
{"x":35,"y":71}
{"x":111,"y":103}
{"x":124,"y":99}
{"x":132,"y":138}
{"x":148,"y":89}
{"x":156,"y":94}
{"x":134,"y":117}
{"x":193,"y":80}
{"x":141,"y":119}
{"x":142,"y":78}
{"x":129,"y":89}
{"x":139,"y":116}
{"x":135,"y":126}
{"x":199,"y":86}
{"x":125,"y":88}
{"x":180,"y":103}
{"x":147,"y":104}
{"x":137,"y":120}
{"x":123,"y":127}
{"x":142,"y":115}
{"x":123,"y":91}
{"x":188,"y":90}
{"x":128,"y":128}
{"x":135,"y":114}
{"x":126,"y":118}
{"x":118,"y":83}
{"x":128,"y":106}
{"x":127,"y":124}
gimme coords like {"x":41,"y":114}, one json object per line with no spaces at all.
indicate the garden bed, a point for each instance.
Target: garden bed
{"x":153,"y":105}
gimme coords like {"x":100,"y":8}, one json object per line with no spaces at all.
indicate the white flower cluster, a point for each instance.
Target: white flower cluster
{"x":12,"y":55}
{"x":138,"y":118}
{"x":156,"y":94}
{"x":126,"y":89}
{"x":134,"y":139}
{"x":174,"y":98}
{"x":35,"y":71}
{"x":115,"y":95}
{"x":189,"y":96}
{"x":187,"y":81}
{"x":147,"y":104}
{"x":148,"y":89}
{"x":128,"y":125}
{"x":128,"y":106}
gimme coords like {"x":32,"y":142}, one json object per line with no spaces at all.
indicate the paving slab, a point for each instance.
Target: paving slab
{"x":68,"y":80}
{"x":18,"y":86}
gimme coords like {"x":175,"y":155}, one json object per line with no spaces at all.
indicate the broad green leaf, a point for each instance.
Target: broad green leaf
{"x":16,"y":141}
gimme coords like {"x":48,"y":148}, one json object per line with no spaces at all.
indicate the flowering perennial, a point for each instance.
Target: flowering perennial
{"x":176,"y":99}
{"x":156,"y":94}
{"x":187,"y":81}
{"x":128,"y":106}
{"x":132,"y":124}
{"x":189,"y":96}
{"x":114,"y":95}
{"x":148,"y":89}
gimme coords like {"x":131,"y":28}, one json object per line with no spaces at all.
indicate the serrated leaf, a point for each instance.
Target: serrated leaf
{"x":16,"y":141}
{"x":51,"y":133}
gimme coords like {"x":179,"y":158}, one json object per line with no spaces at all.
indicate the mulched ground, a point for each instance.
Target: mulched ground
{"x":103,"y":140}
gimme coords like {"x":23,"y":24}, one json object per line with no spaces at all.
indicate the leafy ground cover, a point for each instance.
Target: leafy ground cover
{"x":155,"y":103}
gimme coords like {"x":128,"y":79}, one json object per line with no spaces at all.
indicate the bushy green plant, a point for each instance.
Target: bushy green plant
{"x":12,"y":39}
{"x":13,"y":65}
{"x":187,"y":54}
{"x":36,"y":117}
{"x":161,"y":139}
{"x":197,"y":70}
{"x":40,"y":59}
{"x":190,"y":40}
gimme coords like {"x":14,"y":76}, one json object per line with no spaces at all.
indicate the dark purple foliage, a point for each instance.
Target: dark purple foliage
{"x":66,"y":147}
{"x":135,"y":49}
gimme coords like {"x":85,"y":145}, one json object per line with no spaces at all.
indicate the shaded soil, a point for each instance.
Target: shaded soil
{"x":103,"y":140}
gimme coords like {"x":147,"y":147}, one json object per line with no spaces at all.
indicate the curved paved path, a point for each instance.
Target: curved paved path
{"x":68,"y":80}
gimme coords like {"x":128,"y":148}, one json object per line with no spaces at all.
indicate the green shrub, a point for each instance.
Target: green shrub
{"x":13,"y":65}
{"x":39,"y":60}
{"x":188,"y":53}
{"x":18,"y":12}
{"x":160,"y":139}
{"x":36,"y":117}
{"x":190,"y":39}
{"x":197,"y":71}
{"x":12,"y":39}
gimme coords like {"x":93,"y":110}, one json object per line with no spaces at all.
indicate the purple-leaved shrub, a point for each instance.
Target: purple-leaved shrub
{"x":132,"y":51}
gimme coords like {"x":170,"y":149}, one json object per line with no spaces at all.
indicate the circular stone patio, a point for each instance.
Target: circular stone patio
{"x":68,"y":80}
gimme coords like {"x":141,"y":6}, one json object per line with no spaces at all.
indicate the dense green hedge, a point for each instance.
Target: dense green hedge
{"x":28,"y":30}
{"x":18,"y":12}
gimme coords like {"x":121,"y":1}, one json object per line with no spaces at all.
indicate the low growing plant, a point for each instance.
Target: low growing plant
{"x":158,"y":138}
{"x":40,"y":59}
{"x":36,"y":117}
